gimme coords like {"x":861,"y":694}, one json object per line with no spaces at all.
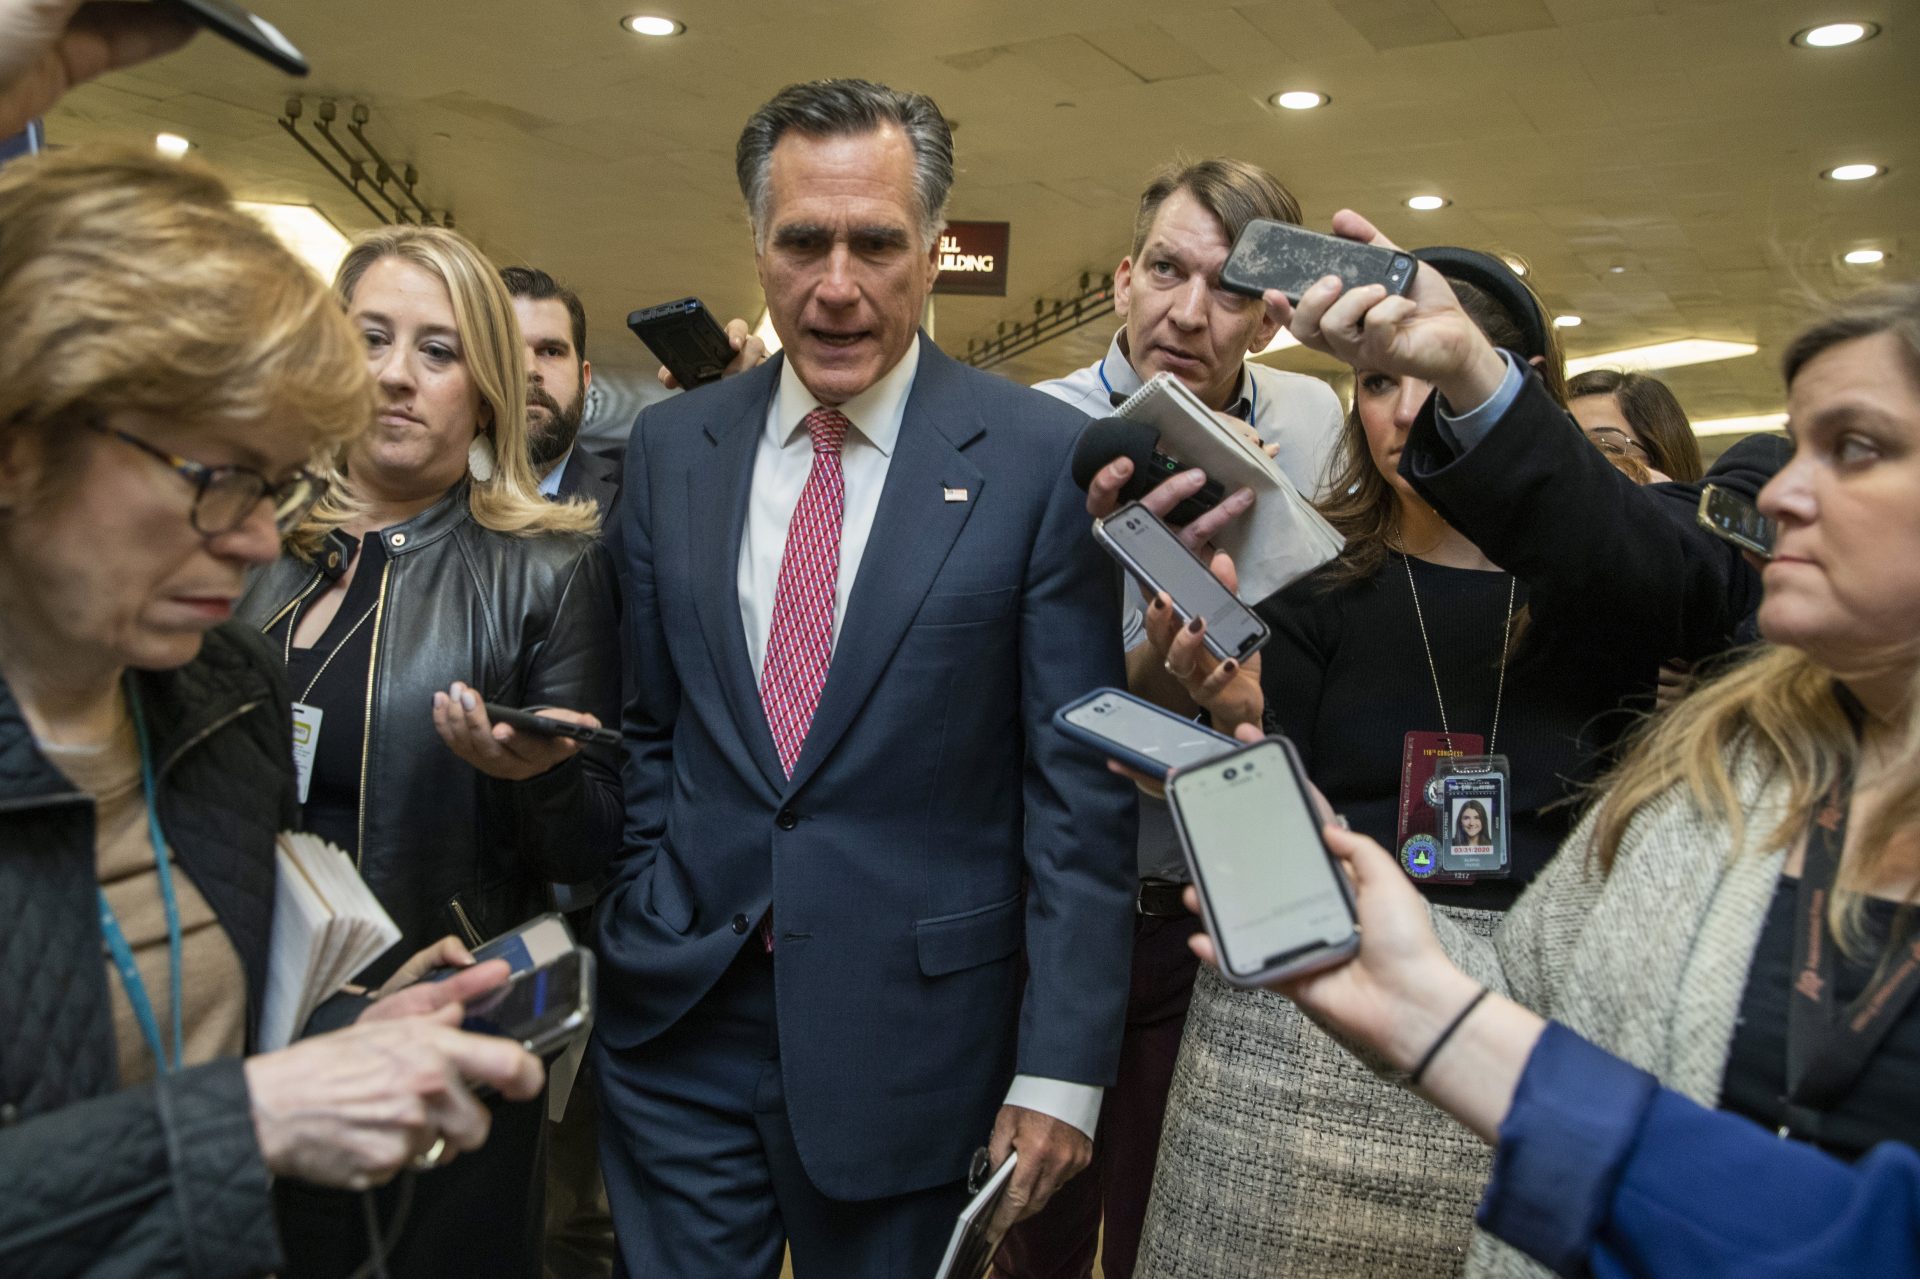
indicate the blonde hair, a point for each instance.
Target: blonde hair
{"x":1780,"y":709}
{"x":509,"y":502}
{"x":128,"y":282}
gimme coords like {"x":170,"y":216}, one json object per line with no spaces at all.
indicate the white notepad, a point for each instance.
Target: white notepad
{"x":1283,"y":537}
{"x":327,"y":926}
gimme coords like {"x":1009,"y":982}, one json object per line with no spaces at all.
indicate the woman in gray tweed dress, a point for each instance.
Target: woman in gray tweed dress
{"x":1281,"y":1155}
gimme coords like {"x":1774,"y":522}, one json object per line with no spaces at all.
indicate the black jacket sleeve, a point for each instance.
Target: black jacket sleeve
{"x":162,"y":1179}
{"x":570,"y":816}
{"x":1595,"y":549}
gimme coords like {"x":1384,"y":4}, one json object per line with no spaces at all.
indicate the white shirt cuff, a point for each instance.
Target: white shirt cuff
{"x":1076,"y":1104}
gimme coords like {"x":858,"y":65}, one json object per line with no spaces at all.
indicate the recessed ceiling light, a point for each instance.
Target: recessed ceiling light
{"x":647,"y":24}
{"x":1616,"y":270}
{"x":1864,"y":257}
{"x":171,"y":145}
{"x":1427,"y":203}
{"x":1566,"y":321}
{"x":1300,"y":100}
{"x":1853,"y":172}
{"x":1740,"y":425}
{"x":1834,"y":34}
{"x":1662,"y":355}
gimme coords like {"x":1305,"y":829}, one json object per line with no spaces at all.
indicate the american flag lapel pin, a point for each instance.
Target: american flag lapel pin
{"x":953,"y":494}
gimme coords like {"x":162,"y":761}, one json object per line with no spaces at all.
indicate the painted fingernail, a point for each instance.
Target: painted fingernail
{"x":1195,"y":625}
{"x":1231,"y":666}
{"x":466,"y":699}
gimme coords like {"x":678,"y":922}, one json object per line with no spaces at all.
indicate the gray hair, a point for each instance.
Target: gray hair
{"x":838,"y":108}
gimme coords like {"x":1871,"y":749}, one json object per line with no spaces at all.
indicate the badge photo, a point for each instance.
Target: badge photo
{"x":1472,"y":816}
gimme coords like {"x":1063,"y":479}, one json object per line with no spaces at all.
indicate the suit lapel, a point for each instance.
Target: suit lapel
{"x":913,"y":530}
{"x":718,"y":489}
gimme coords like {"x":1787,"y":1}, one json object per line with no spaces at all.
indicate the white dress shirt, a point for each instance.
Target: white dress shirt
{"x":781,"y":463}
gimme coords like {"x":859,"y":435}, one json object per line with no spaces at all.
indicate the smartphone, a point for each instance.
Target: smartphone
{"x":1138,"y":733}
{"x":1279,"y":255}
{"x":686,"y":338}
{"x":1149,"y":550}
{"x":1275,"y":902}
{"x":1734,"y":519}
{"x":248,"y":30}
{"x":547,"y":726}
{"x":542,"y":1009}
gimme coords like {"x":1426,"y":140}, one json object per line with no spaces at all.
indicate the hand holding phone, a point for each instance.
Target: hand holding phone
{"x":1279,"y":255}
{"x":543,"y":1008}
{"x":685,"y":338}
{"x":1160,"y":562}
{"x":1138,"y":733}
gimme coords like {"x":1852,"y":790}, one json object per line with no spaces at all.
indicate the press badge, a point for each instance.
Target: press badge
{"x":1420,"y":755}
{"x":1472,"y":814}
{"x":306,"y":740}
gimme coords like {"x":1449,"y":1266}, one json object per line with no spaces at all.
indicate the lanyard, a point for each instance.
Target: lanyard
{"x":117,"y":947}
{"x":1828,"y":1047}
{"x":1500,"y":689}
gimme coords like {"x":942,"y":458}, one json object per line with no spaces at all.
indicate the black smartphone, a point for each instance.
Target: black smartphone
{"x":546,"y":726}
{"x":1138,"y":733}
{"x":686,"y":338}
{"x":1275,"y":902}
{"x":542,"y":1009}
{"x":1279,"y":255}
{"x":248,"y":30}
{"x":1736,"y":520}
{"x":1150,"y":551}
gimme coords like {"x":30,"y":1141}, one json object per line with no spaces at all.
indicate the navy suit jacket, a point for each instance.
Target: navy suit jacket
{"x":936,"y":825}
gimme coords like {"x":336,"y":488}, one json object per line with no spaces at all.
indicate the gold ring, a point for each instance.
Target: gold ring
{"x":430,"y":1158}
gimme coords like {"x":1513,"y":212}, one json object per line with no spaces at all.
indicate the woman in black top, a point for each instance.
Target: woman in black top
{"x":1413,"y":640}
{"x":441,"y":580}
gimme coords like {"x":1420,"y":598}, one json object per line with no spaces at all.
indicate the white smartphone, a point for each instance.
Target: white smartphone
{"x":1157,"y":558}
{"x":1123,"y":727}
{"x":1274,"y":900}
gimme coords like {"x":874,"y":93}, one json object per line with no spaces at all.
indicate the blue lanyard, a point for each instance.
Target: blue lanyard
{"x":122,"y":953}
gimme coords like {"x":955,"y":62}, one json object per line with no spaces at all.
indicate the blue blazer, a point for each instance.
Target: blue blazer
{"x":936,"y":825}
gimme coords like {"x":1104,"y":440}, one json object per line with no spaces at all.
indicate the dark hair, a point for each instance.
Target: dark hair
{"x":536,"y":285}
{"x":1359,"y":501}
{"x":839,"y":108}
{"x":1890,"y":308}
{"x":1655,"y":416}
{"x":1486,"y":822}
{"x":1233,"y":191}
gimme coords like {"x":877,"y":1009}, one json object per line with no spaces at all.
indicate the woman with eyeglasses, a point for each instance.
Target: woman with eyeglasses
{"x":432,"y":579}
{"x":166,"y":372}
{"x":1634,"y":416}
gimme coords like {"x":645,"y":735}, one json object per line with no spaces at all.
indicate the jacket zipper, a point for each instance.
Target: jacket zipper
{"x":466,"y":924}
{"x":366,"y":730}
{"x":298,"y":599}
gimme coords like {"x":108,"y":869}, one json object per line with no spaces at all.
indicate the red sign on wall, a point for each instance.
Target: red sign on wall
{"x":973,"y":259}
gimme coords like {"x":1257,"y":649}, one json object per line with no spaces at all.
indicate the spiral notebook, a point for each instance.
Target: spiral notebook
{"x":1283,"y":537}
{"x":327,"y":926}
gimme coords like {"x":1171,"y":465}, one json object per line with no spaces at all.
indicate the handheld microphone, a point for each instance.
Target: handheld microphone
{"x":1107,"y":438}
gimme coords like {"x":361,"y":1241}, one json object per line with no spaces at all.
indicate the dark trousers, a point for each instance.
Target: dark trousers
{"x":579,"y":1243}
{"x":1060,"y":1242}
{"x":702,"y":1173}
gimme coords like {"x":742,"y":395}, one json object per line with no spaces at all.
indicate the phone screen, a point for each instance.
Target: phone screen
{"x":1271,"y":887}
{"x":533,"y":1005}
{"x":1168,"y":739}
{"x":1736,"y":520}
{"x":1164,"y":564}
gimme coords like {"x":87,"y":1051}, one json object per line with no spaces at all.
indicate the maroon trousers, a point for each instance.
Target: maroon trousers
{"x":1060,"y":1242}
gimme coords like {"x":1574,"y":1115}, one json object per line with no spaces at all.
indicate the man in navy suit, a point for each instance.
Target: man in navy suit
{"x":874,"y":908}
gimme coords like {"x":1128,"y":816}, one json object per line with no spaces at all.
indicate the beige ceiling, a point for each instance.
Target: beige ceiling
{"x":1679,"y":139}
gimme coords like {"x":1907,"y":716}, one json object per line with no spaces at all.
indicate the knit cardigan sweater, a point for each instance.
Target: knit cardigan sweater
{"x":1649,"y":962}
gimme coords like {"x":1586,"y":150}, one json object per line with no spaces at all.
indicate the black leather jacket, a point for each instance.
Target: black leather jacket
{"x":165,"y":1178}
{"x":530,"y":621}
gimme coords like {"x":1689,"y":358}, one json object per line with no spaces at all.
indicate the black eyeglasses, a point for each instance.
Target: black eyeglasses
{"x":223,"y":496}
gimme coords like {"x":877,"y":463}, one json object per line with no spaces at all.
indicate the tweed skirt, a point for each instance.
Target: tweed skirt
{"x":1283,"y":1155}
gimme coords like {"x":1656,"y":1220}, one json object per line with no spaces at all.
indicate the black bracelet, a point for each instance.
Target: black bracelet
{"x":1413,"y":1080}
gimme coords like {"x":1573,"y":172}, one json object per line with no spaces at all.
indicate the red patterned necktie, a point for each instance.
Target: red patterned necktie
{"x":800,"y":640}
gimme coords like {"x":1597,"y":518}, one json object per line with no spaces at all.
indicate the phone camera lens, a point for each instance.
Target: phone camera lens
{"x":1101,"y":710}
{"x":1232,"y":773}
